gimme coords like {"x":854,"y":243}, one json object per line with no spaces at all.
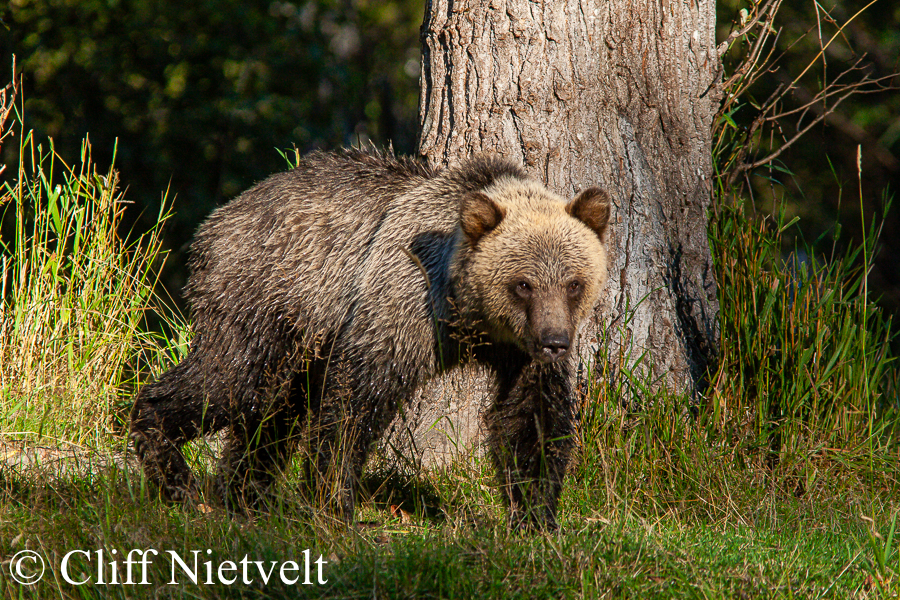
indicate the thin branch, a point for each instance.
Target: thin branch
{"x":771,"y":113}
{"x":8,"y":101}
{"x":867,"y":86}
{"x":873,"y":146}
{"x":747,"y":65}
{"x":751,"y":24}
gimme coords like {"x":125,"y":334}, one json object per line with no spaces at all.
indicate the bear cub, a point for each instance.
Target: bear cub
{"x":323,"y":297}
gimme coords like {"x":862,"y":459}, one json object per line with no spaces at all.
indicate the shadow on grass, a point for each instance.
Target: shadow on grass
{"x":394,"y":491}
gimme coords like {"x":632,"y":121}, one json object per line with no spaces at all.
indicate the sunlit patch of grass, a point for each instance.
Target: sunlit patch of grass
{"x":76,"y":288}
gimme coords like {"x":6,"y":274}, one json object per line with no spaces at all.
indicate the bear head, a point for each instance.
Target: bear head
{"x":534,"y":264}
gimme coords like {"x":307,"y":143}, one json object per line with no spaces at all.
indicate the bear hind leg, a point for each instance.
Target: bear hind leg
{"x":341,"y":437}
{"x":165,"y":417}
{"x":258,"y":448}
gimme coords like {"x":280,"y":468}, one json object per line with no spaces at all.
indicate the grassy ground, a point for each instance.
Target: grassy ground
{"x":779,"y":482}
{"x":799,"y":548}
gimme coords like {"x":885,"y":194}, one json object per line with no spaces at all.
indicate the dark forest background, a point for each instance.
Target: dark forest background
{"x":199,"y":98}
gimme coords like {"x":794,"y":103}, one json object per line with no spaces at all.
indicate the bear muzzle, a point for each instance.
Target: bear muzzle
{"x":554,"y":345}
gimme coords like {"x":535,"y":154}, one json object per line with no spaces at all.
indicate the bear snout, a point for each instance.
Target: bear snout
{"x":554,"y":345}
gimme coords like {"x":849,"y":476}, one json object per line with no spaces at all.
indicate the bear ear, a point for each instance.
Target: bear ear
{"x":591,"y":207}
{"x":478,"y":215}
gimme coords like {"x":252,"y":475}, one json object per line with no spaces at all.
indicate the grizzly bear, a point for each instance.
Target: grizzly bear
{"x":323,"y":297}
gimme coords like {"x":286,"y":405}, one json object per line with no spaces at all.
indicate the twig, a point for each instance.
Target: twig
{"x":751,"y":23}
{"x":7,"y":102}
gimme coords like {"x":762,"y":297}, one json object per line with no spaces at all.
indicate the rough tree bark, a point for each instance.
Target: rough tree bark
{"x":616,"y":93}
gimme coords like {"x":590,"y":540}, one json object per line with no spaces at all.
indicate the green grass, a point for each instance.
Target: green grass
{"x":620,"y":555}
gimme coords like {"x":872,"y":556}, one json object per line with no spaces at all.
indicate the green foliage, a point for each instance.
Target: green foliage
{"x":807,"y":370}
{"x":804,"y":352}
{"x":594,"y":556}
{"x":886,"y":559}
{"x":616,"y":554}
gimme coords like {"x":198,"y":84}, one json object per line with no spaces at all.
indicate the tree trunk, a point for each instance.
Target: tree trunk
{"x":615,"y":93}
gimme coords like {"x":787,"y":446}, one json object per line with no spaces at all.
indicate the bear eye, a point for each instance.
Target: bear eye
{"x":574,"y":289}
{"x":523,"y":289}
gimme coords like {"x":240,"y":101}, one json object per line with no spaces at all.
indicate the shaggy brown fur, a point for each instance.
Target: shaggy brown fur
{"x":324,"y":296}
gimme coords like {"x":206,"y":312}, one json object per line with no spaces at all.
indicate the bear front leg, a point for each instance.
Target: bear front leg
{"x":531,"y":428}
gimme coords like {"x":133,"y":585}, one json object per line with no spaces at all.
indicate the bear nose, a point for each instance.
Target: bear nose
{"x":554,"y":346}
